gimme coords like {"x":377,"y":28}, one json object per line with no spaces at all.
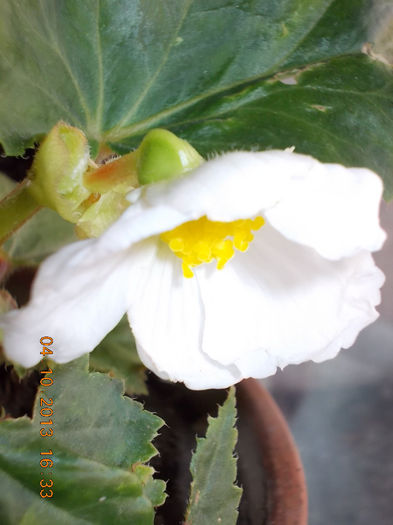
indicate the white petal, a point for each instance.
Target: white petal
{"x":232,"y":186}
{"x":331,"y":208}
{"x":326,"y":206}
{"x":139,"y":222}
{"x":235,"y":185}
{"x":282,"y":303}
{"x":167,"y":320}
{"x":78,"y":296}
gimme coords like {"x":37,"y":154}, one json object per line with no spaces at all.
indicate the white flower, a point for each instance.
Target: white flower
{"x":304,"y":288}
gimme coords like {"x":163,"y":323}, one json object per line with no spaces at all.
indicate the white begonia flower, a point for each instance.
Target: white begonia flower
{"x":303,"y":289}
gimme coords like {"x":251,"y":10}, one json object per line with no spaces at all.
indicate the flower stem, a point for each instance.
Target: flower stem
{"x":15,"y":209}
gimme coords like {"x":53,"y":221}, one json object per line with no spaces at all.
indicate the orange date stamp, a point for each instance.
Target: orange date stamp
{"x":46,"y":424}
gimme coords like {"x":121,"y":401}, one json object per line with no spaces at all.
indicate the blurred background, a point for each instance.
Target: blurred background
{"x":341,"y":416}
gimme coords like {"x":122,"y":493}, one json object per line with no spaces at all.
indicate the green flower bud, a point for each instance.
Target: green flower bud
{"x":56,"y":176}
{"x":162,"y":156}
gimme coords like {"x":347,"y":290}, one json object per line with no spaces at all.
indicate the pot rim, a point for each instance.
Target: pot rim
{"x":287,"y":490}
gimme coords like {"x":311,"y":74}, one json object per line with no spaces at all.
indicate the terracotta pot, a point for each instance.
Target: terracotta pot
{"x":285,"y":497}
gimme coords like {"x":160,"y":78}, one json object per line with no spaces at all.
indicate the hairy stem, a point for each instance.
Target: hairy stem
{"x":15,"y":209}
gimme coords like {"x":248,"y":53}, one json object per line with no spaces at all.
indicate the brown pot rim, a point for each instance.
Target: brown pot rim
{"x":287,"y":491}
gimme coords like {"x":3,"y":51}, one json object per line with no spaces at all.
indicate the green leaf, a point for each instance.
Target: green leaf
{"x":100,"y":442}
{"x":339,"y":111}
{"x":117,"y":354}
{"x":211,"y":71}
{"x":214,"y":497}
{"x":40,"y":236}
{"x":118,"y":68}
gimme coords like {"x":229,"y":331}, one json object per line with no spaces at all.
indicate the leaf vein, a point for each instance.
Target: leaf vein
{"x":56,"y":100}
{"x":118,"y":133}
{"x":100,"y":105}
{"x":164,"y":60}
{"x":56,"y":49}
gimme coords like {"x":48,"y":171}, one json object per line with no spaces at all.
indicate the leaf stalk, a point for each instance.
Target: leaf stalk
{"x":15,"y":209}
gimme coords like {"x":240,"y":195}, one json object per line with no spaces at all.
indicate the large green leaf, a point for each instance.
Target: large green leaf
{"x":115,"y":68}
{"x":339,"y":111}
{"x":117,"y":354}
{"x":100,"y":442}
{"x":208,"y":69}
{"x":214,"y":498}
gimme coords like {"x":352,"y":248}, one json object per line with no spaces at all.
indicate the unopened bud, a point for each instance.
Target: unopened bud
{"x":56,"y":176}
{"x":162,"y":156}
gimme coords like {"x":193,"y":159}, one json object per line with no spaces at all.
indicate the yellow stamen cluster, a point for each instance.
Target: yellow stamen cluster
{"x":200,"y":241}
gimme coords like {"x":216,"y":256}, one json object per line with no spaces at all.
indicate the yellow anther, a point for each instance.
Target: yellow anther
{"x":201,"y":241}
{"x":187,"y":272}
{"x":257,"y":223}
{"x":203,"y":250}
{"x":176,"y":244}
{"x":240,"y":244}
